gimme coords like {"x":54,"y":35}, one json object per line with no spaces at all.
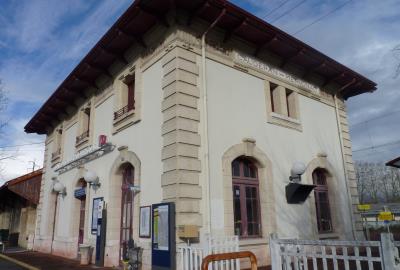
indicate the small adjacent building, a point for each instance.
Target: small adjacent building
{"x":19,"y":198}
{"x":203,"y":105}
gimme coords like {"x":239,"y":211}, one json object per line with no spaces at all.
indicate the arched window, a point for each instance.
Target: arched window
{"x":321,"y":194}
{"x":246,"y":198}
{"x":126,"y":207}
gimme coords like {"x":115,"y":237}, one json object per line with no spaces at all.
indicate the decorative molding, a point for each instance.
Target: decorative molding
{"x":277,"y":73}
{"x":248,"y":148}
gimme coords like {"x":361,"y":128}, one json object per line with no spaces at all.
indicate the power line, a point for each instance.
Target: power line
{"x":17,"y":145}
{"x":24,"y":150}
{"x":375,"y":118}
{"x":288,"y":11}
{"x":321,"y":18}
{"x":377,"y":146}
{"x":275,"y":9}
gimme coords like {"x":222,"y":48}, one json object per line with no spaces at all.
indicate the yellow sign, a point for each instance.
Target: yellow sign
{"x":385,"y":216}
{"x":364,"y":207}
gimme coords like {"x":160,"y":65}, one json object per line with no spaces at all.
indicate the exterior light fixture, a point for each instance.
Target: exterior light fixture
{"x":59,"y":188}
{"x":295,"y":191}
{"x":134,"y":188}
{"x":92,"y":179}
{"x":298,"y":168}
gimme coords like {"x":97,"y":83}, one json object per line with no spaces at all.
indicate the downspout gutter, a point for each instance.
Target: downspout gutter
{"x":205,"y":120}
{"x":339,"y":126}
{"x":54,"y":224}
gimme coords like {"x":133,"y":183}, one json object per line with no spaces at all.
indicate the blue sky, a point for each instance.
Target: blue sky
{"x":41,"y":41}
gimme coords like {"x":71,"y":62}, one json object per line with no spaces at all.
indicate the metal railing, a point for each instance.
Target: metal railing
{"x":294,"y":254}
{"x":82,"y":137}
{"x":123,"y":111}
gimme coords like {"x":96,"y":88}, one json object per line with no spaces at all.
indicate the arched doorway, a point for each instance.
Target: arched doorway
{"x":127,"y":163}
{"x":127,"y":196}
{"x":246,"y":198}
{"x":80,"y":195}
{"x":322,"y":206}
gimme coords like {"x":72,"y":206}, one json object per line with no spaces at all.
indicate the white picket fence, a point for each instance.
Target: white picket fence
{"x":294,"y":254}
{"x":192,"y":256}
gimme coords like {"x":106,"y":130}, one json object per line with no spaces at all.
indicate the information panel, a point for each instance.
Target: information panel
{"x":97,"y":205}
{"x":163,"y":237}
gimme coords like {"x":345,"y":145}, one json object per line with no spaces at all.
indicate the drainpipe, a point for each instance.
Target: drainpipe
{"x":339,"y":126}
{"x":54,"y":224}
{"x":205,"y":109}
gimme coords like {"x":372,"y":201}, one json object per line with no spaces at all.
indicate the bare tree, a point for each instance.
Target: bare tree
{"x":377,"y":183}
{"x":393,"y":177}
{"x":361,"y":183}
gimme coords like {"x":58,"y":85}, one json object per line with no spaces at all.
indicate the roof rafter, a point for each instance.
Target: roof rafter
{"x":98,"y":69}
{"x":91,"y":83}
{"x":198,"y":9}
{"x":229,"y":33}
{"x":118,"y":55}
{"x":334,"y":78}
{"x":153,"y":12}
{"x":265,"y":45}
{"x":137,"y":38}
{"x":291,"y":57}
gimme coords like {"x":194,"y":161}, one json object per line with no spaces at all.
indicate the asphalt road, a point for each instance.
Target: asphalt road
{"x":6,"y":265}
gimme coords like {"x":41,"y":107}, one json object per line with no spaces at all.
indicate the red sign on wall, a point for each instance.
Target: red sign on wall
{"x":102,"y":140}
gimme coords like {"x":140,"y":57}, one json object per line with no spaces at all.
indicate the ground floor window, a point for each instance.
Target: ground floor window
{"x":324,"y":220}
{"x":246,"y":198}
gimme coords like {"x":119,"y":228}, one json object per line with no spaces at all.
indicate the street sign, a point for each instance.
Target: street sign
{"x":385,"y":216}
{"x":364,"y":207}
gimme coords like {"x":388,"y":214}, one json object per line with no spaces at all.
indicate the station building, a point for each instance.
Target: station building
{"x":204,"y":105}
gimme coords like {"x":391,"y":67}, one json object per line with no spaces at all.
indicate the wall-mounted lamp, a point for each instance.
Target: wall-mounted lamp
{"x":59,"y":188}
{"x":295,"y":191}
{"x":134,"y":188}
{"x":92,"y":179}
{"x":298,"y":168}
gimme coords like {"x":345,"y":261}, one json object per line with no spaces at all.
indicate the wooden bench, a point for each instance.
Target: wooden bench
{"x":230,"y":256}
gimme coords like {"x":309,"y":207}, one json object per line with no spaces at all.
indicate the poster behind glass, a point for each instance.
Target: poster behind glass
{"x":145,"y":226}
{"x":163,"y":236}
{"x":95,"y":213}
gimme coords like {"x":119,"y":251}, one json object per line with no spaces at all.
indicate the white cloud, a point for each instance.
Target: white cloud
{"x":35,"y":77}
{"x":42,"y":41}
{"x":36,"y":23}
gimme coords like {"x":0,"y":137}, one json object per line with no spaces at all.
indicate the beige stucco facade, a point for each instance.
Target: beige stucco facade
{"x":180,"y":157}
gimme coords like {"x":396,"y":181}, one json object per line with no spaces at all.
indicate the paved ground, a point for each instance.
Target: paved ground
{"x":49,"y":262}
{"x":6,"y":265}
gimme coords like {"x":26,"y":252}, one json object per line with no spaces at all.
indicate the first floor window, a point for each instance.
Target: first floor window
{"x":246,"y":199}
